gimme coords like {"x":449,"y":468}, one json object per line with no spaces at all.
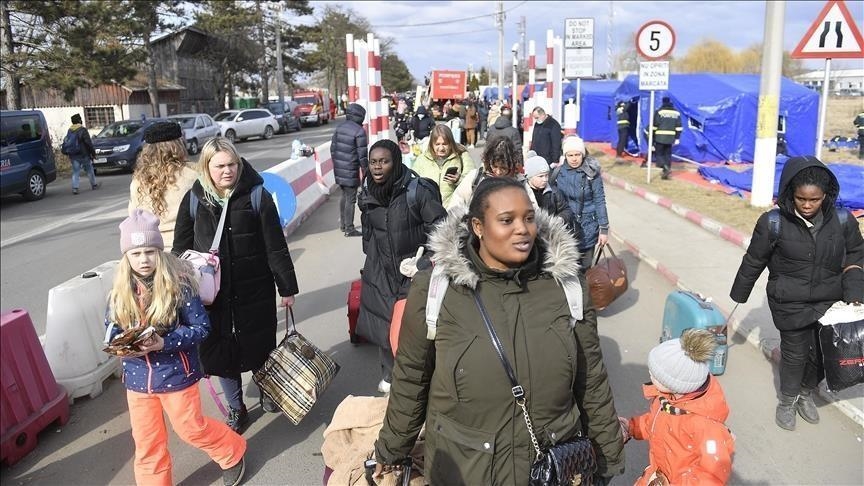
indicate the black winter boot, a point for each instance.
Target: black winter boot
{"x":785,"y":415}
{"x":237,"y":419}
{"x":806,"y":407}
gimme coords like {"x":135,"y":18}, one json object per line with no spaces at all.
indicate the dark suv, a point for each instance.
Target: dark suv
{"x":118,"y":144}
{"x":284,"y":113}
{"x":26,"y":156}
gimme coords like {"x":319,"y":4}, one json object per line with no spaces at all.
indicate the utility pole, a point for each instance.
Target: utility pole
{"x":610,"y":40}
{"x":280,"y":72}
{"x":500,"y":18}
{"x":765,"y":154}
{"x":523,"y":39}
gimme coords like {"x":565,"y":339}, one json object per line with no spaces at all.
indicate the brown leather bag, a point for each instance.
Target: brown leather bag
{"x":607,"y":279}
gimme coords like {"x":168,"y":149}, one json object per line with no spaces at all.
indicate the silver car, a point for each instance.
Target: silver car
{"x":242,"y":124}
{"x":198,"y":128}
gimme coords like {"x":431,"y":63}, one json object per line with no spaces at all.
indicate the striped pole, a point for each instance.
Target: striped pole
{"x":384,"y":108}
{"x":374,"y":95}
{"x":532,"y":68}
{"x":550,"y":65}
{"x":351,"y":65}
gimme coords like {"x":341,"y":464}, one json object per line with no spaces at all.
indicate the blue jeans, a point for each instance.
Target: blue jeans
{"x":232,"y":386}
{"x":87,"y":164}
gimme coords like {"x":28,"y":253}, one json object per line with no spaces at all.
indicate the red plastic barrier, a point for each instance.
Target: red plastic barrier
{"x":30,"y":398}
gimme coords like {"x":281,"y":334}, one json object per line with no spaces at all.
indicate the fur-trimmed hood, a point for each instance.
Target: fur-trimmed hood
{"x":447,"y":242}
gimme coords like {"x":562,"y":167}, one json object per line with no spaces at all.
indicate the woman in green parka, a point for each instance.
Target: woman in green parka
{"x":515,"y":258}
{"x":442,"y":154}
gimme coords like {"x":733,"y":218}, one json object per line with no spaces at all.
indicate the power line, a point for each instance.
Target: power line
{"x":439,"y":22}
{"x":451,"y":33}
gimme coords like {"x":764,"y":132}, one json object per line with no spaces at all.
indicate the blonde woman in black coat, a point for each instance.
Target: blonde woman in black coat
{"x":253,"y":254}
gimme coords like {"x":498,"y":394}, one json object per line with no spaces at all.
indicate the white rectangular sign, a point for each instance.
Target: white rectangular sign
{"x":578,"y":63}
{"x":578,"y":33}
{"x":654,"y":75}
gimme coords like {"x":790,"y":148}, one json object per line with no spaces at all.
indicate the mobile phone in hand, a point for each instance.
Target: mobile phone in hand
{"x":451,"y":171}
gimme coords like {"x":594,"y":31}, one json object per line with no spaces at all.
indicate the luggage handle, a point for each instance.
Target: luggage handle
{"x":602,"y":249}
{"x":702,"y":301}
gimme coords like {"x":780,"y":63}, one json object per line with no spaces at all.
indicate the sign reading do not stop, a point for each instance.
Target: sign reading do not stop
{"x":655,"y":39}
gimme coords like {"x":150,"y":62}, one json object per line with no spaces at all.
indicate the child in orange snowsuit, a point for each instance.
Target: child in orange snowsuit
{"x":156,"y":289}
{"x":688,"y":443}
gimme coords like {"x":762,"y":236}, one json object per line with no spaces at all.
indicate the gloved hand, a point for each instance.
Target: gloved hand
{"x":408,"y":266}
{"x":677,"y":142}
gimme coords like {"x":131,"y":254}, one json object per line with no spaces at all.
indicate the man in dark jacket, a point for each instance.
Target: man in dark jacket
{"x":84,"y":154}
{"x":503,"y":127}
{"x":422,"y":123}
{"x":621,"y":113}
{"x":814,"y":254}
{"x":667,"y":132}
{"x":859,"y":125}
{"x":546,"y":140}
{"x":350,"y":154}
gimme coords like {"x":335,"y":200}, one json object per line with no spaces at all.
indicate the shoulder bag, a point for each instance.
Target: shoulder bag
{"x":607,"y":279}
{"x":209,"y":272}
{"x":296,"y":373}
{"x":568,"y":463}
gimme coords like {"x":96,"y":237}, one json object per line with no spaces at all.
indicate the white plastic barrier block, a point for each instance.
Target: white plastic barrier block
{"x":324,"y":168}
{"x":75,"y":332}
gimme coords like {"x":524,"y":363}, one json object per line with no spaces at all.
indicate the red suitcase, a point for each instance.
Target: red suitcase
{"x":30,"y":398}
{"x":354,"y":312}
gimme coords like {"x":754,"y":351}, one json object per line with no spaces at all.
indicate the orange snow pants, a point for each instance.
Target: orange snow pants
{"x":152,"y":459}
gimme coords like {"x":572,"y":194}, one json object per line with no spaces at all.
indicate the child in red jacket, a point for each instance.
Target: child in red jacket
{"x":688,"y":443}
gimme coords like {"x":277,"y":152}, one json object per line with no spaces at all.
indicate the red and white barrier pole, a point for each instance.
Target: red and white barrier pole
{"x":550,"y":65}
{"x":532,"y":68}
{"x":373,"y":96}
{"x":351,"y":65}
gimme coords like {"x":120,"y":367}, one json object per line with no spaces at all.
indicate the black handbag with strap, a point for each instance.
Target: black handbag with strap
{"x":568,"y":463}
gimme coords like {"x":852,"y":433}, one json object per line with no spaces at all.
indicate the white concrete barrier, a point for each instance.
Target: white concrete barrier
{"x":75,"y":332}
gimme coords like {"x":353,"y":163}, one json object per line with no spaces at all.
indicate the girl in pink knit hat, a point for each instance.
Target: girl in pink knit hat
{"x":155,"y":321}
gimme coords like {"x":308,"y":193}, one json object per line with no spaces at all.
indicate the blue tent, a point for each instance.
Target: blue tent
{"x":491,"y":93}
{"x":597,"y":108}
{"x":719,"y":114}
{"x":850,"y":177}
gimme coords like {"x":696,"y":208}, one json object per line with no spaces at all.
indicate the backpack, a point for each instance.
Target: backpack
{"x":413,"y":208}
{"x":71,"y":143}
{"x":774,"y":223}
{"x":439,"y":282}
{"x":256,"y":201}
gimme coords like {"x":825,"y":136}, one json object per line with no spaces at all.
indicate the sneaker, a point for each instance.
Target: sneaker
{"x":384,"y":387}
{"x":353,"y":232}
{"x":233,"y":475}
{"x":268,"y":404}
{"x":95,"y":186}
{"x":237,"y":419}
{"x":75,"y":191}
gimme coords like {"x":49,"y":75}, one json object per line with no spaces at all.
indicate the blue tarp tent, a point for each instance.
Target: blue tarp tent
{"x":719,"y":114}
{"x":850,"y":177}
{"x":597,"y":108}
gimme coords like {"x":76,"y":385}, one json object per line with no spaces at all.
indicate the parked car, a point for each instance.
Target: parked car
{"x":242,"y":124}
{"x":27,"y":162}
{"x":284,"y":113}
{"x":118,"y":144}
{"x":198,"y":128}
{"x":849,"y":92}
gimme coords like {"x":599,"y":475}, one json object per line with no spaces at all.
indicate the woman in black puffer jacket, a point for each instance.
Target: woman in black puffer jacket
{"x":814,"y":254}
{"x":252,"y":253}
{"x":395,"y":225}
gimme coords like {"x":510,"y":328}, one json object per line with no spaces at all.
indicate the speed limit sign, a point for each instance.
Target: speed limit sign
{"x":655,"y":39}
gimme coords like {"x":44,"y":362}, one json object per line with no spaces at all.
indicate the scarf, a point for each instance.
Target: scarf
{"x":383,"y":192}
{"x":212,"y":196}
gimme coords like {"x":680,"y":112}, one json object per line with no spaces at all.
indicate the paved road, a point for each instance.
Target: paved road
{"x":44,"y":243}
{"x":96,"y":446}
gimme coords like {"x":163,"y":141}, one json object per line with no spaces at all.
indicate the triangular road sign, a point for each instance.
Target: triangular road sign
{"x":833,"y":35}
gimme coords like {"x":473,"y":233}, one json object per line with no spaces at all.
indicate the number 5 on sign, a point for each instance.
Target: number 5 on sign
{"x":655,"y":39}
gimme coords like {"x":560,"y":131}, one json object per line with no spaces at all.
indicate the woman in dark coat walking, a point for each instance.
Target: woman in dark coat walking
{"x":252,"y":254}
{"x":398,"y":210}
{"x":814,"y":254}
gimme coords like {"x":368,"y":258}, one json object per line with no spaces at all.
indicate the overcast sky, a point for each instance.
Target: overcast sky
{"x":453,"y":35}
